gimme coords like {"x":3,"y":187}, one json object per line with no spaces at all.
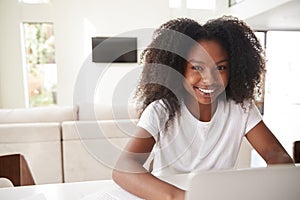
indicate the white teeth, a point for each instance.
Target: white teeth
{"x":208,"y":91}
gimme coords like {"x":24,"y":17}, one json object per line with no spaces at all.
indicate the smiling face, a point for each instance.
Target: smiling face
{"x":207,"y":71}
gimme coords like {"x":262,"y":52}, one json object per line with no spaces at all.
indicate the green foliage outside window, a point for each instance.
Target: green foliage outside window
{"x":40,"y":59}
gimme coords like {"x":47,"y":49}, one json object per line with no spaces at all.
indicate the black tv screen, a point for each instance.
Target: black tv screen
{"x":114,"y":49}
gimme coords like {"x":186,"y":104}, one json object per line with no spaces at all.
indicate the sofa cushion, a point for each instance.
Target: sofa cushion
{"x":44,"y":159}
{"x":38,"y":114}
{"x":40,"y":143}
{"x":84,"y":164}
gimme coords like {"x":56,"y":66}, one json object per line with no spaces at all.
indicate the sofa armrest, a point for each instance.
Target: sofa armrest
{"x":73,"y":130}
{"x":38,"y":114}
{"x":5,"y":182}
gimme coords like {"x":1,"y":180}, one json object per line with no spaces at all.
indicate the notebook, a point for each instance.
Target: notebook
{"x":271,"y":183}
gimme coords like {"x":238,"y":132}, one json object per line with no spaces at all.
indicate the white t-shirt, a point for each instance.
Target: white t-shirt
{"x":190,"y":144}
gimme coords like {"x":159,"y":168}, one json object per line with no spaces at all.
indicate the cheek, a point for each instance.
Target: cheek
{"x":192,"y":77}
{"x":188,"y":86}
{"x":225,"y":79}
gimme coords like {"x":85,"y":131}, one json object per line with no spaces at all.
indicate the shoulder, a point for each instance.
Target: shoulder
{"x":157,"y":105}
{"x":153,"y":118}
{"x":246,"y":114}
{"x":155,"y":108}
{"x":244,"y":108}
{"x":245,"y":105}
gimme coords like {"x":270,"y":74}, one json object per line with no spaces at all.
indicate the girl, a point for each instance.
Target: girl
{"x":196,"y":104}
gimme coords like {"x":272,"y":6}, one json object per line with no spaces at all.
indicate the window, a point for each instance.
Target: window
{"x":175,"y":3}
{"x":259,"y":95}
{"x":282,"y":97}
{"x":41,"y":69}
{"x":282,"y":94}
{"x":233,"y":2}
{"x":200,"y":4}
{"x":34,"y":1}
{"x":193,"y":4}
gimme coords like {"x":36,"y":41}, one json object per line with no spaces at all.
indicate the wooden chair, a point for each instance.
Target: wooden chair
{"x":296,"y":152}
{"x":15,"y":168}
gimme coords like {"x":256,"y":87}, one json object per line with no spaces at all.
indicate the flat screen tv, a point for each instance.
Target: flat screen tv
{"x":114,"y":49}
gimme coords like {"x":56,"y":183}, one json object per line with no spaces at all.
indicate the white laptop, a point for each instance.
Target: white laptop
{"x":271,"y":183}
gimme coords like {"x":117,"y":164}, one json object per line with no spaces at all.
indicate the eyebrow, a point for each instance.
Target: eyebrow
{"x":201,"y":62}
{"x":224,"y":60}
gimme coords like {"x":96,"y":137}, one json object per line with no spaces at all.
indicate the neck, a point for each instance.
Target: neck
{"x":203,"y":112}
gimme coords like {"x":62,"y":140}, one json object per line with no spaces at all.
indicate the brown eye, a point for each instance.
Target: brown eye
{"x":221,"y":67}
{"x":198,"y":68}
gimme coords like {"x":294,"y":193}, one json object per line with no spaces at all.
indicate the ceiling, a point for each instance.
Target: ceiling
{"x":284,"y":17}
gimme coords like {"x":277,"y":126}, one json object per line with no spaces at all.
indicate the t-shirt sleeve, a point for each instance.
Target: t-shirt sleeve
{"x":254,"y":117}
{"x":152,"y":119}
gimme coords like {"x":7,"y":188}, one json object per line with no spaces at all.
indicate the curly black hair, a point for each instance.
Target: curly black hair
{"x":172,"y":42}
{"x":164,"y":64}
{"x":246,"y":56}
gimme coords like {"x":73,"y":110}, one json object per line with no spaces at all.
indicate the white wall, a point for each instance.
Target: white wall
{"x":101,"y":18}
{"x":73,"y":43}
{"x":75,"y":22}
{"x":11,"y":74}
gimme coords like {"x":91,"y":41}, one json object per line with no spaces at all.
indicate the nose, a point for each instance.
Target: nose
{"x":209,"y":77}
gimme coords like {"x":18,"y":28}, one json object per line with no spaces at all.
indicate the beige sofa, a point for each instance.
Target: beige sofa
{"x":92,"y":144}
{"x":66,"y":144}
{"x":36,"y":134}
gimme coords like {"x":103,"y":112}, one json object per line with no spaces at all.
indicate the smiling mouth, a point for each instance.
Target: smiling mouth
{"x":206,"y":91}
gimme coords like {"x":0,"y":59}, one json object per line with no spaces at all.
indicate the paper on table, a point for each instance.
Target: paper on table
{"x":115,"y":194}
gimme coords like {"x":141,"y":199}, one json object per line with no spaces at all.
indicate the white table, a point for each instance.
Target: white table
{"x":56,"y":191}
{"x":73,"y":191}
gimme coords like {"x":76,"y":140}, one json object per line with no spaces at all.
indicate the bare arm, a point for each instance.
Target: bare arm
{"x":130,"y":174}
{"x":266,"y":144}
